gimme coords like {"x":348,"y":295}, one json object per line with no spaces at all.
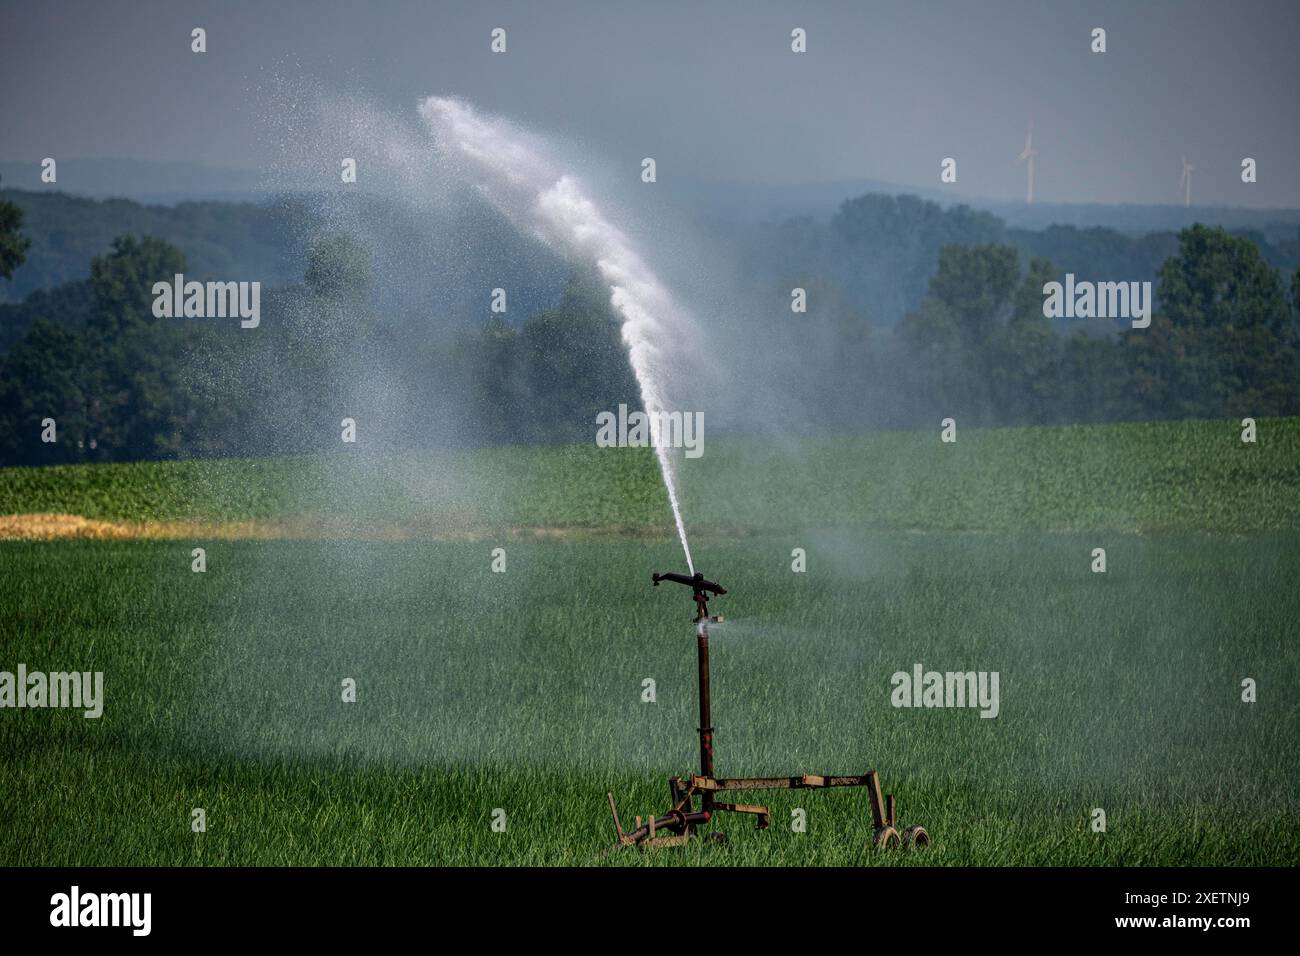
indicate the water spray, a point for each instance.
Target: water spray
{"x":685,"y":820}
{"x":517,"y":174}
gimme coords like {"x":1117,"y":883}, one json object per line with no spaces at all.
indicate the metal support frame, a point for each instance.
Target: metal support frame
{"x":684,"y":821}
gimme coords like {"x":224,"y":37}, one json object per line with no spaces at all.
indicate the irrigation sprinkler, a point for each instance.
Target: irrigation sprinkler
{"x":686,"y":819}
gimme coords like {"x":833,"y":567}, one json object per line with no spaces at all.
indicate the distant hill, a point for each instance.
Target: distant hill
{"x":773,"y":203}
{"x":169,"y":183}
{"x":437,"y":270}
{"x":218,"y":238}
{"x":878,"y":247}
{"x":144,"y":181}
{"x":1135,"y":220}
{"x":880,"y":251}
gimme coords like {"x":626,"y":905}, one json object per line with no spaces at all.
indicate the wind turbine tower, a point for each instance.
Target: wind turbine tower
{"x":1027,"y":156}
{"x":1186,"y":182}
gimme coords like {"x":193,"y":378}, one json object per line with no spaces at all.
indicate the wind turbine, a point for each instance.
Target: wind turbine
{"x":1028,"y":154}
{"x":1186,"y":182}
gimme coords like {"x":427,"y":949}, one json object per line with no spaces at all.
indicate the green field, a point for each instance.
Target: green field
{"x":1136,"y":477}
{"x":522,"y":690}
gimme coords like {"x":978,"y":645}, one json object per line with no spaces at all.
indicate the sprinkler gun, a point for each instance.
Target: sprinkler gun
{"x":701,"y":587}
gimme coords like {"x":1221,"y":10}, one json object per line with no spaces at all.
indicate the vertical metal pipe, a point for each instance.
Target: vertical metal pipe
{"x":706,"y":720}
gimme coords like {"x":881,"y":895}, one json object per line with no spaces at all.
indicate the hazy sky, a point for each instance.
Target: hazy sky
{"x":710,"y":89}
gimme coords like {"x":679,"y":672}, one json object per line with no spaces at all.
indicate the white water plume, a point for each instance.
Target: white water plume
{"x":515,"y":171}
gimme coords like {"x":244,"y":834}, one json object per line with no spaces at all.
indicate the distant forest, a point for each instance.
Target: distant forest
{"x":916,"y":313}
{"x":881,"y":250}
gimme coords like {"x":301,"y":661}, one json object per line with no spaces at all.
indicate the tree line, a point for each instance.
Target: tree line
{"x":122,"y":385}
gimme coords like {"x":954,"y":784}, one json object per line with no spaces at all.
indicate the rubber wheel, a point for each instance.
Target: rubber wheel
{"x":885,"y":838}
{"x":915,"y":835}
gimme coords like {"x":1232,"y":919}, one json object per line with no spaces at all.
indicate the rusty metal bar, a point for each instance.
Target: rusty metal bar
{"x":614,"y":810}
{"x":681,"y":794}
{"x":879,"y":817}
{"x":706,"y":719}
{"x":760,"y":812}
{"x":801,"y":782}
{"x":676,"y":822}
{"x":740,"y":807}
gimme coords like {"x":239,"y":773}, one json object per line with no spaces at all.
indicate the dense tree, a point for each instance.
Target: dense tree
{"x":122,"y":281}
{"x":1093,"y":384}
{"x":123,"y":384}
{"x":498,"y":379}
{"x":576,"y":364}
{"x":1024,"y":355}
{"x":932,"y":369}
{"x":219,"y":238}
{"x":882,"y":249}
{"x":960,"y":334}
{"x":976,"y":284}
{"x":40,"y":379}
{"x":132,"y":366}
{"x":1223,"y":340}
{"x":13,"y":245}
{"x":115,"y":384}
{"x":68,"y":305}
{"x":339,"y":268}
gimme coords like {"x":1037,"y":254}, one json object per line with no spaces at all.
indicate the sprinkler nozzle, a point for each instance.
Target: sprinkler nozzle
{"x":698,"y":585}
{"x":696,"y":581}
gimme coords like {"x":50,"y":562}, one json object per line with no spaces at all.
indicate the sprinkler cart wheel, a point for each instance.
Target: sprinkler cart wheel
{"x":915,"y":835}
{"x":885,"y":838}
{"x":697,"y":799}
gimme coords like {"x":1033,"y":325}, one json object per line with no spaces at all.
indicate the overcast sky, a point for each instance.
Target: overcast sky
{"x":710,"y":89}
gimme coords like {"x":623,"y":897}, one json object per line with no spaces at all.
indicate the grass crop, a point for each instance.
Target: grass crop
{"x":522,"y":691}
{"x":1149,"y":477}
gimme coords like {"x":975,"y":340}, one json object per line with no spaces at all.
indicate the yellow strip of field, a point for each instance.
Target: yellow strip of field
{"x":54,"y":526}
